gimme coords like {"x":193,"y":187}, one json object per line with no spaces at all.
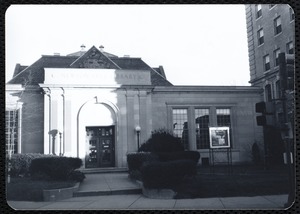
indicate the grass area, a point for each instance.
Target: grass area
{"x":242,"y":181}
{"x":26,"y":189}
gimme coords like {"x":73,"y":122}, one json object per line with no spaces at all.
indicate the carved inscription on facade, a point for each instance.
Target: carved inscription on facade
{"x":96,"y":76}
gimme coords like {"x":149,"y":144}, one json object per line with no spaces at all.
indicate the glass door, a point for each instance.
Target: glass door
{"x":101,"y":150}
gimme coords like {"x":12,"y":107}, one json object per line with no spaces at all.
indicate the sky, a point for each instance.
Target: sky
{"x":195,"y":44}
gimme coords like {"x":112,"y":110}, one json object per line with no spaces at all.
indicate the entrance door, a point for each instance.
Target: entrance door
{"x":101,"y":150}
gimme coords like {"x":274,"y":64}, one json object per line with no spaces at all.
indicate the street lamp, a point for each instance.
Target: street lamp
{"x":138,"y":130}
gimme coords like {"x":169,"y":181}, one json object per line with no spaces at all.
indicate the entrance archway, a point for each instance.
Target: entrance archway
{"x":97,"y":130}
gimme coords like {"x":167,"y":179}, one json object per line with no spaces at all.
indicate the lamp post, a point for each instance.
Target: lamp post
{"x":138,"y":130}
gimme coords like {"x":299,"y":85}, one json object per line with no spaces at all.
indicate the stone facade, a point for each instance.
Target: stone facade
{"x":79,"y":111}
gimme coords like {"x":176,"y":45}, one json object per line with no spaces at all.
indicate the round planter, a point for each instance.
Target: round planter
{"x":59,"y":194}
{"x":158,"y":193}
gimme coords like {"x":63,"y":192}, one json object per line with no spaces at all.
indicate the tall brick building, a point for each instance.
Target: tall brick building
{"x":271,"y":32}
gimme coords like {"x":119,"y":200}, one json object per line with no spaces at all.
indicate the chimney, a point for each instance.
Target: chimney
{"x":82,"y":47}
{"x":101,"y":47}
{"x":56,"y":54}
{"x":126,"y":56}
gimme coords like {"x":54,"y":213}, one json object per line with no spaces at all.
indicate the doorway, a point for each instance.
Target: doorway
{"x":101,"y":146}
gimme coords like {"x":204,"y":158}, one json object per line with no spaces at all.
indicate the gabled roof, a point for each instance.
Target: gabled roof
{"x":93,"y":58}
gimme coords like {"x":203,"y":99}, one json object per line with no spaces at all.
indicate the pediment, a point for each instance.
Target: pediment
{"x":93,"y":58}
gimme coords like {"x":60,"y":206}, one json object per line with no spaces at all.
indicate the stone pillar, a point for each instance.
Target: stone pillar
{"x":192,"y":129}
{"x":131,"y":139}
{"x":56,"y":115}
{"x":47,"y":121}
{"x":69,"y":125}
{"x":143,"y":116}
{"x":122,"y":125}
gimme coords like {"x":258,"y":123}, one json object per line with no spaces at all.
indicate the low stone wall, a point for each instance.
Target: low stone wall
{"x":60,"y":194}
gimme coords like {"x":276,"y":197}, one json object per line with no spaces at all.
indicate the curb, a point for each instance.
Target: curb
{"x":110,"y":192}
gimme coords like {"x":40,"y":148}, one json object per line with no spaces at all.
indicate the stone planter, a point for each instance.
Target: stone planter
{"x":158,"y":193}
{"x":60,"y":194}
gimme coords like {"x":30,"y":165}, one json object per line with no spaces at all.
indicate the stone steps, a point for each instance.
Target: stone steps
{"x":103,"y":170}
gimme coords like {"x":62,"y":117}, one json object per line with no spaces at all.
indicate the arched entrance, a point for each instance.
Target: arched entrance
{"x":97,"y":134}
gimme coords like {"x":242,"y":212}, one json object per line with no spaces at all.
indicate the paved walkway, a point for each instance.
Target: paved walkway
{"x":107,"y":184}
{"x":116,"y":191}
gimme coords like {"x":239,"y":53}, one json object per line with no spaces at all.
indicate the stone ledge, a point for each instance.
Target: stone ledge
{"x":60,"y":194}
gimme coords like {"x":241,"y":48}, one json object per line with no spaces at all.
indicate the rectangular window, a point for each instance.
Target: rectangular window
{"x":11,"y":131}
{"x":276,"y":54}
{"x":292,"y":14}
{"x":258,"y":10}
{"x":266,"y":62}
{"x":223,"y":119}
{"x":268,"y":93}
{"x":277,"y":25}
{"x":290,"y":48}
{"x":180,"y":126}
{"x":260,"y":36}
{"x":202,"y":128}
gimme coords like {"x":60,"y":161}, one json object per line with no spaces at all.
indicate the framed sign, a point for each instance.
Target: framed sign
{"x":219,"y":137}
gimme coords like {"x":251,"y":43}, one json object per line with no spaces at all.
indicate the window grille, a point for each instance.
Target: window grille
{"x":11,"y":131}
{"x":180,"y":126}
{"x":202,"y":128}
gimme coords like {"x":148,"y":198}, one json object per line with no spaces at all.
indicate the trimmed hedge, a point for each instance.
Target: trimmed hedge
{"x":185,"y":155}
{"x":20,"y":163}
{"x":167,"y":174}
{"x":56,"y":168}
{"x":136,"y":160}
{"x":162,"y":141}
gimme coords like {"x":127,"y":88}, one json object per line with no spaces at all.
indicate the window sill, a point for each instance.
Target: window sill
{"x":278,"y":34}
{"x":258,"y":18}
{"x":260,"y":45}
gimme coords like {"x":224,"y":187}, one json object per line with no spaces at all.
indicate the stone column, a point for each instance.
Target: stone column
{"x":143,"y":116}
{"x":47,"y":121}
{"x":122,"y":125}
{"x":131,"y":139}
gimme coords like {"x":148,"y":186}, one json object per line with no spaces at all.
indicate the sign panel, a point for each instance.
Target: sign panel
{"x":219,"y":137}
{"x":103,"y":77}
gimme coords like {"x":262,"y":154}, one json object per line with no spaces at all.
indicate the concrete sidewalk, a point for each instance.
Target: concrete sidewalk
{"x":116,"y":191}
{"x":137,"y":201}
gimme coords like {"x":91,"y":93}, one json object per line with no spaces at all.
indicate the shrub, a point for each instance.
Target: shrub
{"x":184,"y":155}
{"x":57,"y":168}
{"x":167,"y":174}
{"x":20,"y":163}
{"x":136,"y":160}
{"x":162,"y":141}
{"x":76,"y":176}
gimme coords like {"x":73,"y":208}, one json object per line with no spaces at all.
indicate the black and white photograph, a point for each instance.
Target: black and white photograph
{"x":121,"y":106}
